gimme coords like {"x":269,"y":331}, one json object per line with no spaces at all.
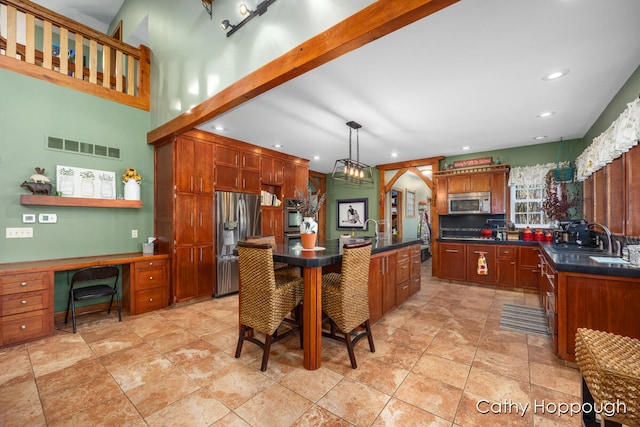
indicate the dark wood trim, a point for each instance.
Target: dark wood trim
{"x":374,"y":21}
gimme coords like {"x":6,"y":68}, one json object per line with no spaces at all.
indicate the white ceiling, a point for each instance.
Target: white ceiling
{"x":469,"y":75}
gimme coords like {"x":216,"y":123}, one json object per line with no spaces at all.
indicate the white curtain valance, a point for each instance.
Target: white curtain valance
{"x":532,"y":175}
{"x":621,"y":135}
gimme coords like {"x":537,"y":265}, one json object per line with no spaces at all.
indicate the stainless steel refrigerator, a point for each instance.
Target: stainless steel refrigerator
{"x":237,"y":216}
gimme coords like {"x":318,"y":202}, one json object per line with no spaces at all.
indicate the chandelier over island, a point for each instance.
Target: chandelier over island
{"x":351,"y":170}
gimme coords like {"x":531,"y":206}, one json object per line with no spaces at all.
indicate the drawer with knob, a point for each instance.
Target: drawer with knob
{"x":13,"y":284}
{"x":26,"y":307}
{"x":25,"y":326}
{"x":150,"y":299}
{"x":146,"y":288}
{"x":21,"y":303}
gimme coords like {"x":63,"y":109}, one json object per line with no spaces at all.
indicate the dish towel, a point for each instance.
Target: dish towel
{"x":482,"y":264}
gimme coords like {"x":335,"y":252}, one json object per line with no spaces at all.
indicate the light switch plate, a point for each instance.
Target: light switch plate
{"x":47,"y":218}
{"x":28,"y":218}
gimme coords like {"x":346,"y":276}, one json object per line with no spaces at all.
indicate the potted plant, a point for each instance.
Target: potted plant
{"x":308,"y":207}
{"x":131,"y":180}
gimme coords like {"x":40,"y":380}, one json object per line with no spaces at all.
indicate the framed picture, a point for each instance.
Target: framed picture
{"x":87,"y":183}
{"x":351,"y":213}
{"x":411,"y":204}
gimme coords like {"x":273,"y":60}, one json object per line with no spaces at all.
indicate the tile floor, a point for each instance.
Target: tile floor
{"x":437,"y":356}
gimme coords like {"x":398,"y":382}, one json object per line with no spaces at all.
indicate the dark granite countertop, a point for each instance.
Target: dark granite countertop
{"x":572,"y":258}
{"x":332,"y":250}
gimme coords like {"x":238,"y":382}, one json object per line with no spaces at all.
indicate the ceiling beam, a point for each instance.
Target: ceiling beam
{"x":371,"y":23}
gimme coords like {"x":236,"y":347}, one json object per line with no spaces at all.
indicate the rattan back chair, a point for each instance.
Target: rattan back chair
{"x":265,"y":299}
{"x":281,"y":268}
{"x":93,"y":283}
{"x":345,"y":298}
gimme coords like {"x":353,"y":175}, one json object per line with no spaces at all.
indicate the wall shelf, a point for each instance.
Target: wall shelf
{"x":36,"y":200}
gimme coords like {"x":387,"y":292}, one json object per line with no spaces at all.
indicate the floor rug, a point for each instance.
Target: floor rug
{"x":521,"y":318}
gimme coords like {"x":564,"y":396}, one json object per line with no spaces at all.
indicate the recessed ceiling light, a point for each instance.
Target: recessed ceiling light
{"x":218,"y":128}
{"x":466,"y":147}
{"x":540,"y":137}
{"x":556,"y":75}
{"x":316,"y":157}
{"x":278,"y":145}
{"x":394,"y":154}
{"x":546,"y":114}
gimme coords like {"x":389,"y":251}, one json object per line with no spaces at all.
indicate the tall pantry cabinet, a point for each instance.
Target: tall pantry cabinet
{"x":184,"y":213}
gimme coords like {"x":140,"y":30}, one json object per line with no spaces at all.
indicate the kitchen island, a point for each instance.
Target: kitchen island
{"x":330,"y":256}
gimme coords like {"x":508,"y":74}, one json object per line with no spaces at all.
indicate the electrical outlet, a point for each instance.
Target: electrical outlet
{"x":19,"y":232}
{"x":134,"y":234}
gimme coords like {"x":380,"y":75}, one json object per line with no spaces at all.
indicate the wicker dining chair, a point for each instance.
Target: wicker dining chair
{"x":281,"y":268}
{"x":345,"y":298}
{"x":266,"y":299}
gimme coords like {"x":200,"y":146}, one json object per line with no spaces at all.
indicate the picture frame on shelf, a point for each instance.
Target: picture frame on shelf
{"x":351,"y":214}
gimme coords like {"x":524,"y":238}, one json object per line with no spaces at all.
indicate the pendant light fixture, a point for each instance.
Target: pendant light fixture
{"x":353,"y":171}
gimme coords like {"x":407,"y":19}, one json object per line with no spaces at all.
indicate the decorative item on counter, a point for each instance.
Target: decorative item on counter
{"x":482,"y":264}
{"x":308,"y":207}
{"x":527,"y":235}
{"x":548,"y":237}
{"x":39,"y":183}
{"x":149,"y":247}
{"x":538,"y":236}
{"x":131,"y":180}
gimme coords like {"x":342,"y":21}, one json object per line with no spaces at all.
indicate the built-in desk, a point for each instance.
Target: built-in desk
{"x":26,"y":290}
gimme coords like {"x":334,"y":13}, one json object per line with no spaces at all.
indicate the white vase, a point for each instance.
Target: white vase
{"x":132,"y":190}
{"x":308,"y":225}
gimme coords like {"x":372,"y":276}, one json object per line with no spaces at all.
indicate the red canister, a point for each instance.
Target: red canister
{"x":538,"y":236}
{"x":527,"y":235}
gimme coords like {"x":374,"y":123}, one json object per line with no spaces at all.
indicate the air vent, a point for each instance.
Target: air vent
{"x":84,"y":148}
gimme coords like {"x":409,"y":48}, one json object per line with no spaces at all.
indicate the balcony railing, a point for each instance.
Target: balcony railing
{"x":42,"y":44}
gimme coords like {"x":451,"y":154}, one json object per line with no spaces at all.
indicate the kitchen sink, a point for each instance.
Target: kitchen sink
{"x":608,"y":260}
{"x":574,"y":249}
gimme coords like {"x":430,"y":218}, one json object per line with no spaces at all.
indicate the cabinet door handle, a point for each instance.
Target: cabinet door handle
{"x":191,"y":183}
{"x":452,"y":250}
{"x":513,"y":262}
{"x":236,"y":183}
{"x":200,"y":254}
{"x":201,"y":185}
{"x":23,"y":284}
{"x":200,"y":219}
{"x":150,"y":299}
{"x":191,"y":255}
{"x":244,"y":183}
{"x":23,"y":302}
{"x":236,"y":161}
{"x":404,"y":266}
{"x":23,"y":327}
{"x":191,"y":219}
{"x":150,"y":277}
{"x":150,"y":263}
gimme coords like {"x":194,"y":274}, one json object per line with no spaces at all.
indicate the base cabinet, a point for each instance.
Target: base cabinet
{"x":26,"y":307}
{"x":452,"y":261}
{"x":147,"y":287}
{"x":528,"y":267}
{"x":194,"y":272}
{"x":507,"y":266}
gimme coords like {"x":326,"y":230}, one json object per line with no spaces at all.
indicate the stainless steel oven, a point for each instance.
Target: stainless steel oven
{"x":292,"y":239}
{"x":292,"y":218}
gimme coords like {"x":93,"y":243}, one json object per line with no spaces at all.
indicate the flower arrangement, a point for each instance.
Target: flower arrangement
{"x":131,"y":173}
{"x":309,"y":206}
{"x":556,"y":203}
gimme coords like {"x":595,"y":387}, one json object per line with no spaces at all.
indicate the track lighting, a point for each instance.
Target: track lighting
{"x":261,"y":8}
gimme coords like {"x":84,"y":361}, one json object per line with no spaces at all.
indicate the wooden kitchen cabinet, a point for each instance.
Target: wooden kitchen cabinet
{"x":600,"y":197}
{"x":452,"y":261}
{"x":272,"y":170}
{"x":26,"y":307}
{"x":250,"y":181}
{"x":403,"y":273}
{"x":382,"y":282}
{"x":548,"y":280}
{"x":227,"y":170}
{"x":295,"y":177}
{"x":499,"y":193}
{"x":145,"y":286}
{"x":473,"y":253}
{"x":528,"y":267}
{"x":469,"y":183}
{"x":415,"y":270}
{"x":184,"y":216}
{"x":632,"y":191}
{"x":614,"y":188}
{"x":194,"y":166}
{"x":507,"y":265}
{"x":272,"y":222}
{"x":441,"y":195}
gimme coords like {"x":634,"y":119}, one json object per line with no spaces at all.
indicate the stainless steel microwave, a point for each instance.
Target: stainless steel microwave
{"x":469,"y":203}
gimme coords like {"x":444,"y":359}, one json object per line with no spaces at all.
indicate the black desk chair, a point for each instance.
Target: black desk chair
{"x":92,"y":283}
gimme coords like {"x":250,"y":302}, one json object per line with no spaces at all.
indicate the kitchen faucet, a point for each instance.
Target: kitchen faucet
{"x":377,"y":226}
{"x":608,"y":233}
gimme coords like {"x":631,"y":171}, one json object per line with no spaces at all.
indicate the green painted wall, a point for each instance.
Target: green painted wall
{"x":30,"y":110}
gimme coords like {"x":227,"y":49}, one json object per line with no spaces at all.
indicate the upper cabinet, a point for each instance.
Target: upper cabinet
{"x":272,"y":170}
{"x":194,"y":166}
{"x":296,"y":176}
{"x":491,"y":179}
